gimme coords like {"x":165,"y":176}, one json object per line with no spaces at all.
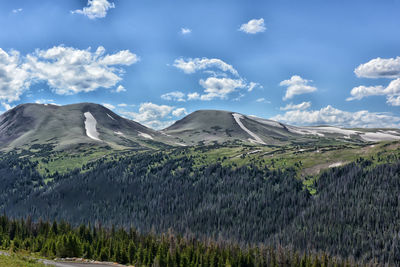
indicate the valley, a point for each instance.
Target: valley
{"x":214,"y":175}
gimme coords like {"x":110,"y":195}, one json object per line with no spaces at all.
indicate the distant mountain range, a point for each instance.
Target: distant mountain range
{"x":87,"y":123}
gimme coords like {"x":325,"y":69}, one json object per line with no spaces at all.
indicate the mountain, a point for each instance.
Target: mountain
{"x":72,"y":125}
{"x":207,"y":126}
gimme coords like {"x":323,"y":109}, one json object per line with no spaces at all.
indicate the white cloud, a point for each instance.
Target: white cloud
{"x":218,"y":84}
{"x":69,"y":71}
{"x":296,"y":86}
{"x":253,"y":26}
{"x":392,"y":92}
{"x":150,"y":114}
{"x":120,"y":89}
{"x":186,"y":31}
{"x":261,"y":100}
{"x":191,"y":65}
{"x":220,"y":87}
{"x":7,"y":106}
{"x":45,"y":101}
{"x":95,"y":9}
{"x":335,"y":117}
{"x":252,"y":85}
{"x":153,"y":115}
{"x":179,"y":112}
{"x":174,"y":96}
{"x":14,"y":78}
{"x":149,"y":111}
{"x":17,"y":10}
{"x":379,"y":68}
{"x":364,"y":91}
{"x":124,"y":57}
{"x":193,"y":96}
{"x":301,"y":106}
{"x":109,"y":106}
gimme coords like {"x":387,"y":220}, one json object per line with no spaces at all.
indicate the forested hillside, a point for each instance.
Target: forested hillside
{"x":353,"y":212}
{"x":130,"y":246}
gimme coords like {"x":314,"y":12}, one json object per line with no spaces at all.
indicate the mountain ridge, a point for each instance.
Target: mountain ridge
{"x":89,"y":123}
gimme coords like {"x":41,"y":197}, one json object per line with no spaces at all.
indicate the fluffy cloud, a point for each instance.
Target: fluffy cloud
{"x":332,"y":116}
{"x":17,"y":10}
{"x":186,"y":31}
{"x":14,"y":78}
{"x":379,"y":68}
{"x":301,"y":106}
{"x":253,"y":26}
{"x":220,"y":87}
{"x":179,"y":112}
{"x":45,"y":101}
{"x":191,"y":65}
{"x":193,"y":96}
{"x":153,"y":115}
{"x":296,"y":86}
{"x":95,"y":9}
{"x":174,"y":96}
{"x":69,"y":71}
{"x":219,"y":84}
{"x":362,"y":91}
{"x":120,"y":89}
{"x":109,"y":106}
{"x":6,"y":106}
{"x":392,"y":92}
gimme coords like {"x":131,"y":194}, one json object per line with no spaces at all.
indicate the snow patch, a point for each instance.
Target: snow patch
{"x":145,"y":135}
{"x":266,"y":122}
{"x":303,"y":131}
{"x":180,"y":144}
{"x":110,"y":116}
{"x":90,"y":126}
{"x":337,"y":164}
{"x":118,"y":132}
{"x":372,"y":137}
{"x":237,"y":118}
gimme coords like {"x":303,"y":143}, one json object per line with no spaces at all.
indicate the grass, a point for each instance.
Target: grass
{"x":15,"y":260}
{"x":308,"y":159}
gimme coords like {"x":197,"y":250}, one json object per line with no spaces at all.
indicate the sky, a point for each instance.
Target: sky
{"x":308,"y":62}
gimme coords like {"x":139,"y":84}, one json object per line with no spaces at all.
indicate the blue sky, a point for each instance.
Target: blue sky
{"x":299,"y":62}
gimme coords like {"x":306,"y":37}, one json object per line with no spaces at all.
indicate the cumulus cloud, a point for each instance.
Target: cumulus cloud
{"x":253,"y":26}
{"x":14,"y":78}
{"x":193,"y":96}
{"x":174,"y":96}
{"x":191,"y":65}
{"x":297,"y":86}
{"x":362,"y":91}
{"x":45,"y":101}
{"x":220,"y":87}
{"x":6,"y":106}
{"x":379,"y":68}
{"x":109,"y":106}
{"x":69,"y":71}
{"x":153,"y":115}
{"x":186,"y":31}
{"x":120,"y":89}
{"x":335,"y":117}
{"x":392,"y":92}
{"x":17,"y":10}
{"x":95,"y":9}
{"x":301,"y":106}
{"x":219,"y":84}
{"x":179,"y":112}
